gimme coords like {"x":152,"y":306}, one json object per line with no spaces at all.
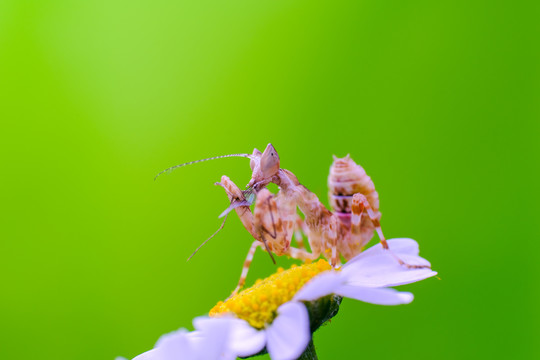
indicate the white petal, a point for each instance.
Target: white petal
{"x":245,"y":340}
{"x":380,"y":296}
{"x":177,"y":335}
{"x":383,"y":270}
{"x":149,"y":355}
{"x":175,"y":346}
{"x":321,"y":285}
{"x":236,"y":336}
{"x":289,"y":334}
{"x":206,"y":325}
{"x":172,"y":346}
{"x":212,"y":338}
{"x":404,"y":246}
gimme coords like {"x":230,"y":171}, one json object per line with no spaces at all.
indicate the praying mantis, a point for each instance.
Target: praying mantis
{"x":344,"y":231}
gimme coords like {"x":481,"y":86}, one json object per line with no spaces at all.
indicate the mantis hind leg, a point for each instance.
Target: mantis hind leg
{"x":361,"y":204}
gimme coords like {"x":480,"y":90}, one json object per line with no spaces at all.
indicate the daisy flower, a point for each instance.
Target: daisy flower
{"x":282,"y":311}
{"x":279,"y":314}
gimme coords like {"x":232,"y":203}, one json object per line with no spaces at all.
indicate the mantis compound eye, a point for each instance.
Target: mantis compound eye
{"x":269,"y":162}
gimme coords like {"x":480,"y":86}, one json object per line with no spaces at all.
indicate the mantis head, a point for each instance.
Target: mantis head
{"x":264,"y":167}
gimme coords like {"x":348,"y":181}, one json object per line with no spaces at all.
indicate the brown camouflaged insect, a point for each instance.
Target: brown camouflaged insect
{"x":274,"y":220}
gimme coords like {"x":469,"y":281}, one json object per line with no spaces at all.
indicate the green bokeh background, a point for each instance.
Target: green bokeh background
{"x":439,"y":101}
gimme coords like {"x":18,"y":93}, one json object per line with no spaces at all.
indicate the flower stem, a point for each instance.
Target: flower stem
{"x":309,"y":353}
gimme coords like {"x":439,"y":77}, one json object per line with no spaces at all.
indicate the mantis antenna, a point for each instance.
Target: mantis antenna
{"x":218,"y":230}
{"x":172,"y":168}
{"x":205,"y":241}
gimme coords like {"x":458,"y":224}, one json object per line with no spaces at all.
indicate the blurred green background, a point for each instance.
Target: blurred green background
{"x":439,"y":101}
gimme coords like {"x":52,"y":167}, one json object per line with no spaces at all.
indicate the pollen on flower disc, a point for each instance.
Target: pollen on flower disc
{"x":259,"y":303}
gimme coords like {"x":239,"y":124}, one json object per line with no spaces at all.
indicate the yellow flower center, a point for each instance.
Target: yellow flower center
{"x":258,"y":304}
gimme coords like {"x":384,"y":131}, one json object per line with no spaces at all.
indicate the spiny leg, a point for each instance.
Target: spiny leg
{"x":269,"y":221}
{"x":295,"y":253}
{"x":245,"y":268}
{"x":302,"y":254}
{"x":265,"y":213}
{"x":331,"y":234}
{"x":275,"y":218}
{"x":278,"y":221}
{"x":273,"y":224}
{"x":299,"y":229}
{"x":329,"y":238}
{"x":360,"y":204}
{"x":244,"y":212}
{"x":357,"y":240}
